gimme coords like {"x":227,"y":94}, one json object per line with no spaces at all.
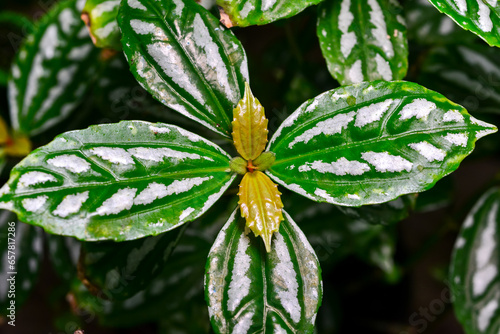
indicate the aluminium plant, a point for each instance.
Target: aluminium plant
{"x":133,"y":187}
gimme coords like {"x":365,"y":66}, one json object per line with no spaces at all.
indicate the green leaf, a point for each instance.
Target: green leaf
{"x":249,"y":290}
{"x":260,"y":205}
{"x":428,"y":26}
{"x":119,"y":270}
{"x":335,"y":234}
{"x":372,"y":142}
{"x":468,"y":74}
{"x":440,"y":196}
{"x":21,"y":248}
{"x":249,"y":126}
{"x":118,"y":181}
{"x":363,"y":40}
{"x":481,"y":17}
{"x":179,"y":53}
{"x":119,"y":96}
{"x":178,"y":286}
{"x":382,"y":214}
{"x":183,"y":321}
{"x":100,"y":18}
{"x":64,"y":253}
{"x":245,"y":13}
{"x":474,"y":274}
{"x":52,"y":71}
{"x":4,"y":78}
{"x":16,"y":19}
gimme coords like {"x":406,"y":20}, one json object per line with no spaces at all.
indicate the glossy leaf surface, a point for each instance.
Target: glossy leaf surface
{"x":482,"y":17}
{"x":253,"y":12}
{"x":21,"y":248}
{"x":392,"y":138}
{"x":120,"y":270}
{"x":249,"y":290}
{"x":119,"y":96}
{"x":249,"y":126}
{"x":474,"y":275}
{"x":52,"y":71}
{"x":100,"y":18}
{"x":260,"y":205}
{"x":468,"y":74}
{"x":182,"y":56}
{"x":118,"y":181}
{"x":363,"y":40}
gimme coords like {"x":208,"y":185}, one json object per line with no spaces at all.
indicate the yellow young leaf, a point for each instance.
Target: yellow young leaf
{"x":4,"y":133}
{"x":249,"y":126}
{"x":260,"y":205}
{"x":18,"y":146}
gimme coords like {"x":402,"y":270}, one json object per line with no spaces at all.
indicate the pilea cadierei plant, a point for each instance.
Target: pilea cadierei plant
{"x":370,"y":141}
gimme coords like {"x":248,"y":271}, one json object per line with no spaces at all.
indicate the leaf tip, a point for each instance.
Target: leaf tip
{"x":249,"y":126}
{"x":486,"y":128}
{"x":261,"y":206}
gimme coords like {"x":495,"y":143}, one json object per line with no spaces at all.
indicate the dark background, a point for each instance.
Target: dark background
{"x":287,"y":68}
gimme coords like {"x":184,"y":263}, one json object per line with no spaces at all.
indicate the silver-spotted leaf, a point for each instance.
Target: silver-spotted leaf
{"x":372,"y":142}
{"x":182,"y":56}
{"x":100,"y":18}
{"x":21,"y":250}
{"x":363,"y":40}
{"x":52,"y":71}
{"x":245,"y":13}
{"x":474,"y":271}
{"x":118,"y":95}
{"x":249,"y":290}
{"x":118,"y":181}
{"x":467,"y":74}
{"x":482,"y":17}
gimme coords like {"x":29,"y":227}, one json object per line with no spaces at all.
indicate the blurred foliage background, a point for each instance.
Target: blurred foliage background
{"x":384,"y":267}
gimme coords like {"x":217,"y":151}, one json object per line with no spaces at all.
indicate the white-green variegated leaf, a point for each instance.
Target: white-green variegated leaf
{"x":52,"y":70}
{"x":251,"y":291}
{"x":474,"y":274}
{"x":363,"y":40}
{"x":118,"y":181}
{"x":372,"y":142}
{"x":245,"y":13}
{"x":482,"y":17}
{"x":100,"y":18}
{"x":179,"y":53}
